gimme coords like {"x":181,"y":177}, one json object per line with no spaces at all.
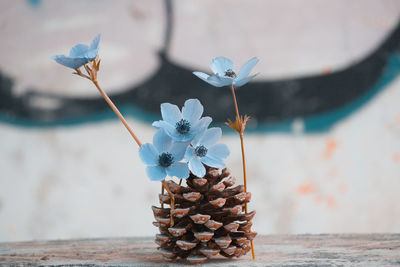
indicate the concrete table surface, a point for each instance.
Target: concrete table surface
{"x":274,"y":250}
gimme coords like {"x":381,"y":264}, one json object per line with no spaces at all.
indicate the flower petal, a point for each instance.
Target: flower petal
{"x":205,"y":77}
{"x":168,"y":128}
{"x":201,"y":75}
{"x":201,"y":125}
{"x":95,"y":43}
{"x":69,"y":62}
{"x":213,"y":162}
{"x":170,"y":113}
{"x":242,"y":82}
{"x":192,"y":110}
{"x":148,"y":154}
{"x":178,"y":169}
{"x":162,"y":141}
{"x":178,"y":150}
{"x":211,"y":136}
{"x":189,"y":154}
{"x":78,"y":50}
{"x":246,"y":68}
{"x":220,"y":65}
{"x":185,"y":137}
{"x":156,"y":173}
{"x":91,"y":54}
{"x":218,"y":151}
{"x":221,"y":81}
{"x":198,"y":135}
{"x":196,"y":167}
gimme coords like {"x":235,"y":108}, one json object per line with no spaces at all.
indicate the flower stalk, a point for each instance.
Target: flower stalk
{"x":235,"y":101}
{"x":162,"y":193}
{"x":239,"y":126}
{"x":92,"y":76}
{"x":172,"y":199}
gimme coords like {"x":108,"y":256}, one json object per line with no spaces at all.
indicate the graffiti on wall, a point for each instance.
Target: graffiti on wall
{"x":319,"y":100}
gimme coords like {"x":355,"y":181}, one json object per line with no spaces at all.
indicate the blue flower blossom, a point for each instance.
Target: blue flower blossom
{"x":163,"y":156}
{"x":205,"y":150}
{"x":224,"y":73}
{"x":80,"y":54}
{"x":183,"y":126}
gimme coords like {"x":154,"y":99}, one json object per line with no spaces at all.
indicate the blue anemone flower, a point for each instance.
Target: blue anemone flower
{"x":163,"y":156}
{"x":80,"y":54}
{"x":205,"y":150}
{"x":224,"y":73}
{"x":183,"y":126}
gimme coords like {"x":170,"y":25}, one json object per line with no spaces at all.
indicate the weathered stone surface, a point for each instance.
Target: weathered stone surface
{"x":277,"y":250}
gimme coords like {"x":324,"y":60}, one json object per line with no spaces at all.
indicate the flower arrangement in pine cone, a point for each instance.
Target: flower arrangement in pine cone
{"x":207,"y":215}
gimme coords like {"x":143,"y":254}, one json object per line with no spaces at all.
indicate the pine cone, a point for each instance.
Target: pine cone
{"x":209,"y":219}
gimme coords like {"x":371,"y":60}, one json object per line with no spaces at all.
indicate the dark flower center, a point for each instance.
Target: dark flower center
{"x":165,"y":159}
{"x":182,"y":126}
{"x":201,"y":151}
{"x":230,"y":73}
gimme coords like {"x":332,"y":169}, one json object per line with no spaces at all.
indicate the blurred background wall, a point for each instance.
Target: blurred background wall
{"x":323,"y":145}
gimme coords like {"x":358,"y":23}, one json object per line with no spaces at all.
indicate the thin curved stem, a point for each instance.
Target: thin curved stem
{"x":121,"y":117}
{"x":245,"y":187}
{"x":244,"y":167}
{"x":172,"y":199}
{"x":162,"y":193}
{"x":115,"y":109}
{"x":234,"y":101}
{"x":92,"y":75}
{"x":243,"y":159}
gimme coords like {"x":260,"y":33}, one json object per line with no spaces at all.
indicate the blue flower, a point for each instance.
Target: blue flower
{"x":163,"y":156}
{"x":224,"y":74}
{"x":80,"y":54}
{"x":205,"y":150}
{"x":185,"y":125}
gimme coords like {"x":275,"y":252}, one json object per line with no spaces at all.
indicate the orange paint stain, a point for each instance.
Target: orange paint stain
{"x":326,"y":70}
{"x":331,"y":201}
{"x":330,"y":147}
{"x":342,"y":188}
{"x":306,"y":189}
{"x":396,"y":157}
